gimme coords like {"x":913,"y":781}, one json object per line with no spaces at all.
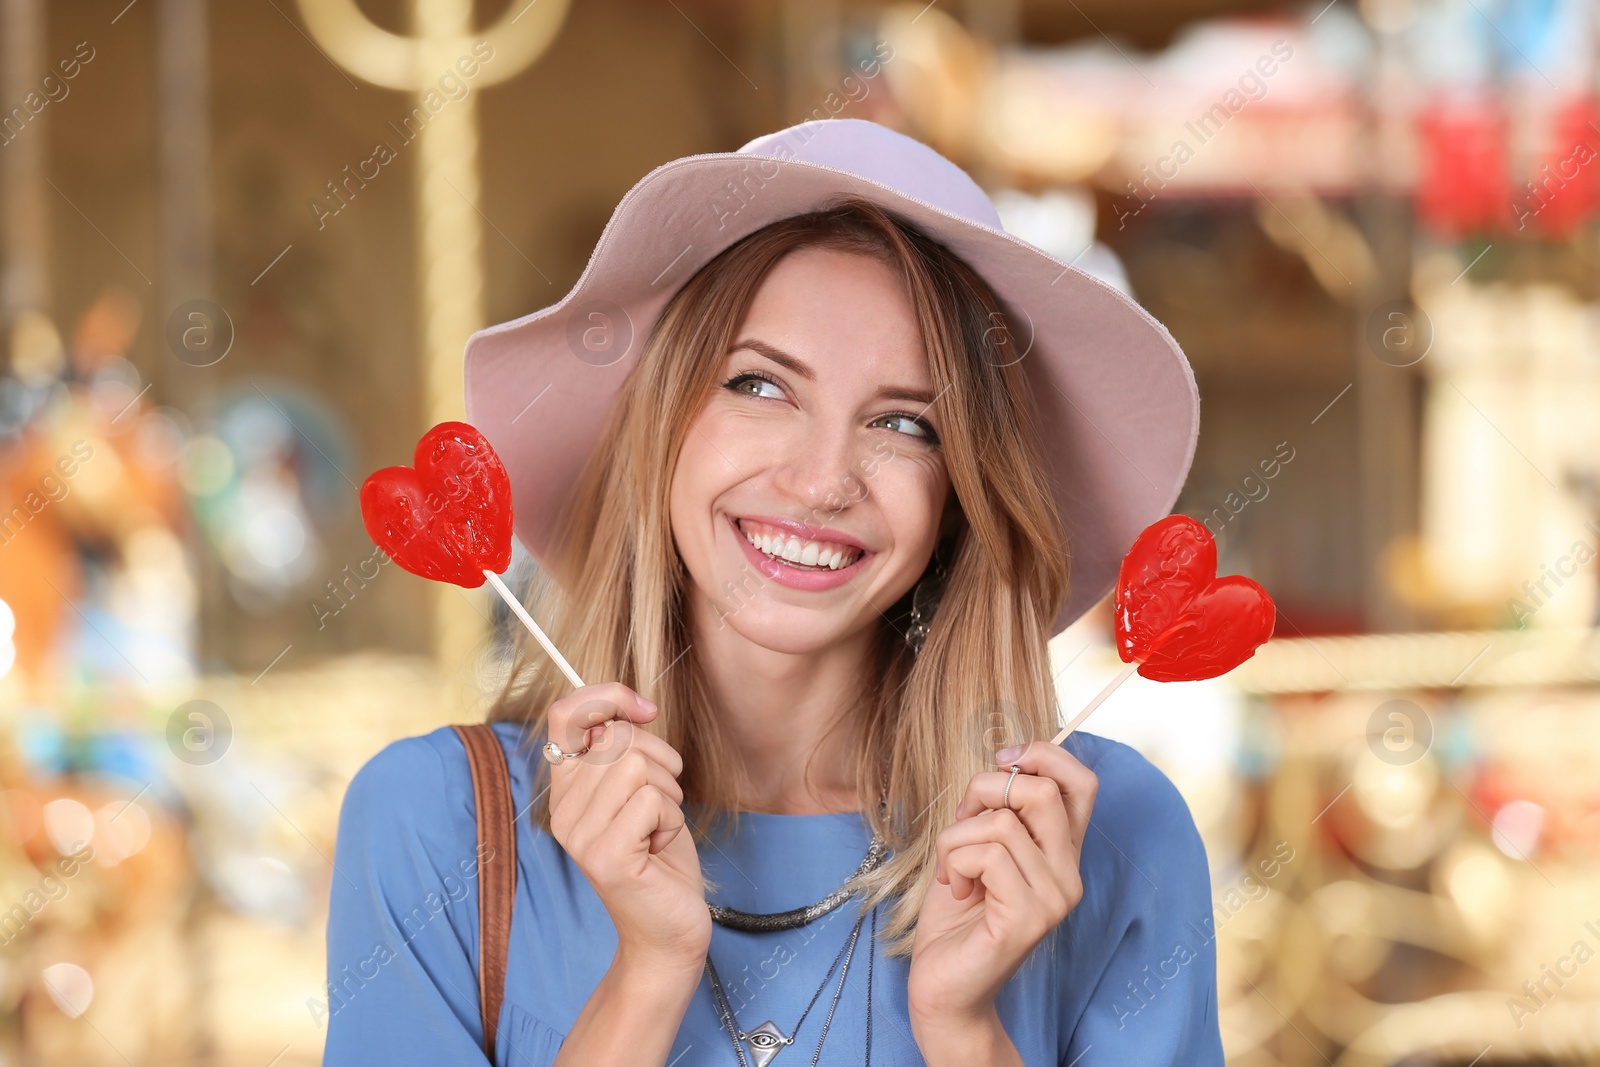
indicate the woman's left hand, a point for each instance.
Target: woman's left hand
{"x":1005,"y":879}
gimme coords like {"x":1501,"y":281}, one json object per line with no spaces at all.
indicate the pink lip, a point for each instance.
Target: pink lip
{"x":794,"y":577}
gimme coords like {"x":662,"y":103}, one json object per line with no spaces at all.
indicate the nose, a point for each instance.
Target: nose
{"x":819,"y":470}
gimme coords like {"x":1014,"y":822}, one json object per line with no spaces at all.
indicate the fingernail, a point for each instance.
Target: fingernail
{"x":649,"y":705}
{"x":1008,"y":753}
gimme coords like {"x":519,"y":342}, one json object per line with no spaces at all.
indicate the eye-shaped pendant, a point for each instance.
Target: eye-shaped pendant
{"x":766,"y":1041}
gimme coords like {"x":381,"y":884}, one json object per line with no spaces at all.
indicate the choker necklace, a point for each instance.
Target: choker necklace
{"x":764,"y":922}
{"x":766,"y":1040}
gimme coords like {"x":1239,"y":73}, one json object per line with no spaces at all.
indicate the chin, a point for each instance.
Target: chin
{"x":793,"y":631}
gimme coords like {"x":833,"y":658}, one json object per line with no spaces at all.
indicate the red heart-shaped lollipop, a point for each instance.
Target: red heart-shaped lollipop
{"x":1175,"y":617}
{"x":448,"y":518}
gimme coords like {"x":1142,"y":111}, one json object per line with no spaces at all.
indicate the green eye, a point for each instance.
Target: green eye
{"x":915,"y":427}
{"x":739,"y":382}
{"x":751,"y":383}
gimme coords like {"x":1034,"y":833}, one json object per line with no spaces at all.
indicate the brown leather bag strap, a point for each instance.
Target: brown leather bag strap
{"x":497,"y":868}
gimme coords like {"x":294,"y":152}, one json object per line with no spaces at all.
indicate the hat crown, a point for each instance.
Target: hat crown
{"x":881,"y":155}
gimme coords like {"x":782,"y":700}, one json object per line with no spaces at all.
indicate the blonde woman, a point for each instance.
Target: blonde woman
{"x":815,"y":458}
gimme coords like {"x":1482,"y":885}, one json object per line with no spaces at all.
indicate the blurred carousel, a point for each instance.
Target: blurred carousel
{"x":1403,"y":828}
{"x":184,"y":695}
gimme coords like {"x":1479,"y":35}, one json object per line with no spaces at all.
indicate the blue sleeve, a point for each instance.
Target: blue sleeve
{"x":1154,"y":998}
{"x":403,"y":914}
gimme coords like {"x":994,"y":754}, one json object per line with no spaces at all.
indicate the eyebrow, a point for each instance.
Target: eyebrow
{"x":800,"y":367}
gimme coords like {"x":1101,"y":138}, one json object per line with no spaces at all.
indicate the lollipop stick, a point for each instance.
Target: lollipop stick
{"x":1122,"y":676}
{"x":533,"y":628}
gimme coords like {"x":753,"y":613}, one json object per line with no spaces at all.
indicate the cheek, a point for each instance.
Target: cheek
{"x":910,"y":491}
{"x":699,"y":476}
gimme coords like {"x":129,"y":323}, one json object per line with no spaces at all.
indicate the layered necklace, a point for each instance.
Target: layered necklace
{"x":766,"y":1040}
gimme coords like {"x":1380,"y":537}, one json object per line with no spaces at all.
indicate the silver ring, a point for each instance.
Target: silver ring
{"x":1006,"y":799}
{"x":553,"y":753}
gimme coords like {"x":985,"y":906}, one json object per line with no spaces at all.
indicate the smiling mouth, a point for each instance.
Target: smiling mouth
{"x":797,"y":552}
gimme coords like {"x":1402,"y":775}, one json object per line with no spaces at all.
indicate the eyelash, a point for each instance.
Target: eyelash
{"x":932,"y":438}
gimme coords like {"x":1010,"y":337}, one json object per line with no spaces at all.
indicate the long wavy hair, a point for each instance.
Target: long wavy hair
{"x":613,"y":596}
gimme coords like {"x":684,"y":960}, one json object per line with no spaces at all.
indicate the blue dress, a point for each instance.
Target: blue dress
{"x":1130,"y":974}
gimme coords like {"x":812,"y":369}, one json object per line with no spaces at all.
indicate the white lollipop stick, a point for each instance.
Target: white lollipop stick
{"x":1077,"y":721}
{"x":533,"y":628}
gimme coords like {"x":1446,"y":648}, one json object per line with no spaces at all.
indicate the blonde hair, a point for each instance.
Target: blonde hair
{"x":927,"y":722}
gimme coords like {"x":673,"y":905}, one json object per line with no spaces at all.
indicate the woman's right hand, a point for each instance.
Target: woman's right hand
{"x":616,"y":810}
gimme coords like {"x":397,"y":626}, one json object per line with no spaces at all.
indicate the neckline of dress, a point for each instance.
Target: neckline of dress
{"x":770,"y":826}
{"x":744,"y":814}
{"x":844,"y":831}
{"x":774,"y":862}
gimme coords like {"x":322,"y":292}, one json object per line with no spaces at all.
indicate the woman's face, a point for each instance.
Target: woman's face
{"x":821,"y":442}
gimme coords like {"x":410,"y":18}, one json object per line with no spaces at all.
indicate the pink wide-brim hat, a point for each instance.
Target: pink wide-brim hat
{"x":1118,"y":408}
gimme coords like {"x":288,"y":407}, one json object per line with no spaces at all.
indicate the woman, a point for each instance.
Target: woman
{"x":814,"y":532}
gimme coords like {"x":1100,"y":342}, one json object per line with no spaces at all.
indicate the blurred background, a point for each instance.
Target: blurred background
{"x":244,"y":243}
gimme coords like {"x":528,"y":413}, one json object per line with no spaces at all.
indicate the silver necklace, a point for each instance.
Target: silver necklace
{"x":765,"y":922}
{"x":766,"y":1040}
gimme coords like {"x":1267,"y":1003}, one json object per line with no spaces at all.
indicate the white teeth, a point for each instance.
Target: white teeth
{"x":805,"y":553}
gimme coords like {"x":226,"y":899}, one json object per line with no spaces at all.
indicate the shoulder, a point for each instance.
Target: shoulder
{"x":417,"y":791}
{"x":408,"y":778}
{"x":1144,"y":924}
{"x":403,"y":900}
{"x":1131,"y":787}
{"x":1141,"y":827}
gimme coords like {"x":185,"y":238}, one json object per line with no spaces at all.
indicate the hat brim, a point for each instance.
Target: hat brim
{"x":1118,"y":407}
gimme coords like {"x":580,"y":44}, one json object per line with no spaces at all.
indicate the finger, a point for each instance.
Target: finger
{"x":648,"y":815}
{"x":590,"y":706}
{"x":573,"y":783}
{"x":654,"y":815}
{"x":599,"y":829}
{"x":612,"y":739}
{"x":1076,"y":784}
{"x":1004,"y":828}
{"x":1037,"y":803}
{"x":613,"y":783}
{"x":988,"y":863}
{"x":600,"y":792}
